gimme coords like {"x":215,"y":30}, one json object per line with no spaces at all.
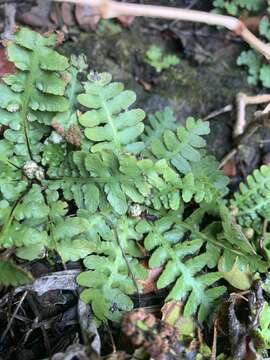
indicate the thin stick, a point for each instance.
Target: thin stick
{"x":13,"y":316}
{"x":261,"y":119}
{"x":218,"y":112}
{"x":110,"y":9}
{"x":214,"y":345}
{"x":228,"y":157}
{"x":242,"y":100}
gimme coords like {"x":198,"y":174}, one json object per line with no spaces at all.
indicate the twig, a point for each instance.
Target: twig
{"x":214,"y":345}
{"x":228,"y":157}
{"x":110,"y":9}
{"x":261,"y":119}
{"x":242,"y":100}
{"x":12,"y":317}
{"x":42,"y":328}
{"x":218,"y":112}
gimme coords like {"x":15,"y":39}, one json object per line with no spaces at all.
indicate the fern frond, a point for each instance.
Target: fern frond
{"x":35,"y":92}
{"x":183,"y":264}
{"x":13,"y":275}
{"x":111,"y":274}
{"x":119,"y":181}
{"x":66,"y":123}
{"x":109,"y":122}
{"x":251,"y":202}
{"x":208,"y":178}
{"x":181,"y":147}
{"x":156,"y":124}
{"x":187,"y":252}
{"x":36,"y":221}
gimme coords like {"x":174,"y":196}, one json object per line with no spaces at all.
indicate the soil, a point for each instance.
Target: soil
{"x":206,"y":79}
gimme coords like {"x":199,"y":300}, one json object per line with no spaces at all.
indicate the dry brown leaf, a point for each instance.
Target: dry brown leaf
{"x":6,"y":67}
{"x":149,"y":284}
{"x":229,"y":168}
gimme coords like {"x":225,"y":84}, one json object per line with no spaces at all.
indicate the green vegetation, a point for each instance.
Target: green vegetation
{"x":258,"y":69}
{"x":159,"y":61}
{"x":83,"y":177}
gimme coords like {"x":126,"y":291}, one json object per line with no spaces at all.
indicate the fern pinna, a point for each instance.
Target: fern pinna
{"x":83,"y":176}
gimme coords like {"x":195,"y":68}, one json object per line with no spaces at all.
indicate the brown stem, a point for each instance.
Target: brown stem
{"x":110,"y":9}
{"x":242,"y":100}
{"x":262,"y":119}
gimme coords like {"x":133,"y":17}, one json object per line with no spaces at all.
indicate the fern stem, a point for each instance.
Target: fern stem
{"x":127,"y":263}
{"x":11,"y":215}
{"x":96,"y":180}
{"x":111,"y":9}
{"x":26,"y":99}
{"x":123,"y":255}
{"x":110,"y":122}
{"x":206,"y":238}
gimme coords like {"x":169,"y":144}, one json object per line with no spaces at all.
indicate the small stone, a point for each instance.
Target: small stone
{"x":33,"y":171}
{"x":249,"y":233}
{"x":56,"y":138}
{"x":30,"y":168}
{"x":135,"y":210}
{"x":40,"y":174}
{"x":234,"y":210}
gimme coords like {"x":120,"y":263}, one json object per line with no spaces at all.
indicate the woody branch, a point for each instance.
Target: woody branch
{"x":110,"y":9}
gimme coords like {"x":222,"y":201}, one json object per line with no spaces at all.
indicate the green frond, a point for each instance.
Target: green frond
{"x":236,"y":7}
{"x":109,"y":123}
{"x":34,"y":93}
{"x":182,"y":262}
{"x":156,"y":58}
{"x":156,"y":125}
{"x":182,"y":146}
{"x":251,"y":202}
{"x":36,"y":220}
{"x":111,"y":274}
{"x":13,"y":275}
{"x":119,"y":181}
{"x":66,"y":124}
{"x":81,"y":177}
{"x":208,"y":176}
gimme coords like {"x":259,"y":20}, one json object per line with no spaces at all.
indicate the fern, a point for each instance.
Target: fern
{"x":111,"y":274}
{"x":164,"y":237}
{"x":118,"y":181}
{"x":258,"y":71}
{"x":251,"y":202}
{"x":235,"y":7}
{"x":32,"y":95}
{"x":66,"y":123}
{"x":155,"y":58}
{"x":106,"y":123}
{"x":156,"y":125}
{"x":82,"y":177}
{"x":180,"y":147}
{"x":10,"y":274}
{"x":177,"y":245}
